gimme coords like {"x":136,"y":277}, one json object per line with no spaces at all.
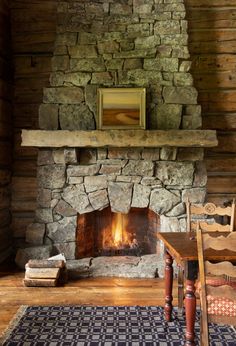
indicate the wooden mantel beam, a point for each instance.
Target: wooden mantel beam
{"x":119,"y":138}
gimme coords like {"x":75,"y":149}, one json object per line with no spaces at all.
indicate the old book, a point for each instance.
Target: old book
{"x":40,"y":282}
{"x":42,"y":273}
{"x":46,"y":264}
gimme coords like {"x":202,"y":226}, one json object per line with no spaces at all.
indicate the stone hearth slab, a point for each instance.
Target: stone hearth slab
{"x":115,"y":266}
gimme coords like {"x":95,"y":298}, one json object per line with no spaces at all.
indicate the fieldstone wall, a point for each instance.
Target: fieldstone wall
{"x":120,"y":43}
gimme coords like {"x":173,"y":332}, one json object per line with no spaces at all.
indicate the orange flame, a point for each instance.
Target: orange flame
{"x":116,"y":236}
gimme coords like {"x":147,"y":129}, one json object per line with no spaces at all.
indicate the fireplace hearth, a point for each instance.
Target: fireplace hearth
{"x":104,"y":233}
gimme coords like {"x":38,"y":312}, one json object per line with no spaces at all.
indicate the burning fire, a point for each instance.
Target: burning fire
{"x":116,"y":236}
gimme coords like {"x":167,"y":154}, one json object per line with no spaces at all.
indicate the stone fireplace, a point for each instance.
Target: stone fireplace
{"x":122,"y":43}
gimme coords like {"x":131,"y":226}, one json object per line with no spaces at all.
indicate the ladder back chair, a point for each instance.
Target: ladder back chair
{"x":208,"y":215}
{"x":218,"y":304}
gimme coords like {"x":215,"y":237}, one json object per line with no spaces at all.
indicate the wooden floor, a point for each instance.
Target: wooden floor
{"x":99,"y":291}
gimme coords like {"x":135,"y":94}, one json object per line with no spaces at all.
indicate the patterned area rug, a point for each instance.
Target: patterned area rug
{"x":104,"y":326}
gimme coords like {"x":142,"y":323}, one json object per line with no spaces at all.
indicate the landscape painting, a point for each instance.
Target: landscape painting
{"x":121,"y":108}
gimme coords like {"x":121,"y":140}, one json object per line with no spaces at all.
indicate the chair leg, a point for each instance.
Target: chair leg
{"x":180,"y":290}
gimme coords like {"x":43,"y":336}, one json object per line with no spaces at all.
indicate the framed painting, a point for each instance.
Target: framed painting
{"x":121,"y":108}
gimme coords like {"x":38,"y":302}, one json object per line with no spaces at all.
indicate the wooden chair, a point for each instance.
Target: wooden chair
{"x":218,"y":304}
{"x":208,"y":216}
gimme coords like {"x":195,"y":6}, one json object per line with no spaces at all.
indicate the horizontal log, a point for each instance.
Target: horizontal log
{"x":220,"y":164}
{"x":19,"y":223}
{"x":24,"y":188}
{"x":210,"y":3}
{"x":221,"y":184}
{"x":220,"y":122}
{"x":119,"y":138}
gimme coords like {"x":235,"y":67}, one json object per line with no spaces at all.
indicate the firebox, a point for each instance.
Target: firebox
{"x":105,"y":233}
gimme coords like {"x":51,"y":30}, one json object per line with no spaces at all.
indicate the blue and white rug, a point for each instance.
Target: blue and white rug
{"x":105,"y":326}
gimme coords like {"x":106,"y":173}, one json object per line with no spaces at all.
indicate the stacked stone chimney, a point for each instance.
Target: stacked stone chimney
{"x":116,"y":43}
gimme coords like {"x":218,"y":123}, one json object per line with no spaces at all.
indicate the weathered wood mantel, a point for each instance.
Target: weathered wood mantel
{"x":119,"y":138}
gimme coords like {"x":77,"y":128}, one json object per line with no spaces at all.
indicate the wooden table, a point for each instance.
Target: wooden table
{"x":179,"y":247}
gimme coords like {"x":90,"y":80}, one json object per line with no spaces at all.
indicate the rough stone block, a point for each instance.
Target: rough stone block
{"x":190,"y":154}
{"x":108,"y":47}
{"x":62,"y":231}
{"x":65,"y":95}
{"x":110,"y":169}
{"x":124,"y":153}
{"x":167,"y":27}
{"x":139,"y":167}
{"x":180,"y":95}
{"x":147,"y":42}
{"x":120,"y":9}
{"x":139,"y":77}
{"x":168,"y":154}
{"x":191,"y":122}
{"x":151,"y":181}
{"x":80,"y":171}
{"x":36,"y":252}
{"x":78,"y":199}
{"x":140,"y":197}
{"x":200,"y":177}
{"x":44,"y":197}
{"x":161,"y":64}
{"x":75,"y":180}
{"x":91,"y":98}
{"x":83,"y":51}
{"x":48,"y":117}
{"x":45,"y":157}
{"x":133,"y":64}
{"x":194,"y":195}
{"x":68,"y":249}
{"x":79,"y":268}
{"x":168,"y":116}
{"x":51,"y":176}
{"x":175,"y":173}
{"x":163,"y":200}
{"x":99,"y":199}
{"x":120,"y":196}
{"x":151,"y":154}
{"x":87,"y":156}
{"x":60,"y":62}
{"x":88,"y":65}
{"x":76,"y":117}
{"x":93,"y":183}
{"x":64,"y":209}
{"x":183,"y":79}
{"x":77,"y":78}
{"x":44,"y":215}
{"x":106,"y":78}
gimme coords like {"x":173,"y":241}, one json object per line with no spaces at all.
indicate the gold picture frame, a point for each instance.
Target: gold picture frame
{"x":121,"y":108}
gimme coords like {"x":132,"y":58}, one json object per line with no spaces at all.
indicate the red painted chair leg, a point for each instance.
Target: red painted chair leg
{"x":190,"y":311}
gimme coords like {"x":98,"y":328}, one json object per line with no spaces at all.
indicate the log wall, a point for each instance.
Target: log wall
{"x":5,"y":130}
{"x":33,"y":32}
{"x":212,"y":29}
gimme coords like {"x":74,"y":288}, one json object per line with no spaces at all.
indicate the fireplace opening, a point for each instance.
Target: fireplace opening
{"x":105,"y":233}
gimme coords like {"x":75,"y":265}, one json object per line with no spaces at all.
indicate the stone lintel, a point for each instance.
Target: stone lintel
{"x":119,"y":138}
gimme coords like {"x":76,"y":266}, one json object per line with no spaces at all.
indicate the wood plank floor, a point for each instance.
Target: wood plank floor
{"x":99,"y":291}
